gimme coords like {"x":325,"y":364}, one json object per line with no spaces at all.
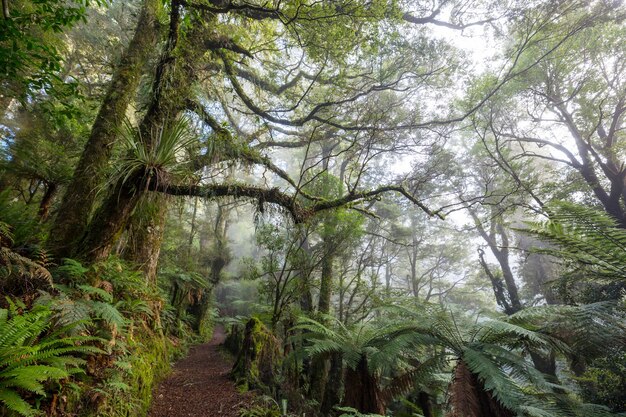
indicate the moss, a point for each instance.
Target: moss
{"x":206,"y":326}
{"x":128,"y":389}
{"x":258,"y":358}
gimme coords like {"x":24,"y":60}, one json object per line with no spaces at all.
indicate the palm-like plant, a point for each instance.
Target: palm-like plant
{"x":29,"y":357}
{"x":592,"y":242}
{"x":492,"y":375}
{"x":154,"y":158}
{"x":489,"y":373}
{"x":381,"y":360}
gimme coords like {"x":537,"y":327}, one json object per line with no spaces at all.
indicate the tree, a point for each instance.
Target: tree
{"x":78,"y":201}
{"x":369,"y":352}
{"x":568,"y":110}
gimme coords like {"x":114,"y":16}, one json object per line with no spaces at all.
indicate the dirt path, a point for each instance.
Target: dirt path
{"x":199,"y":385}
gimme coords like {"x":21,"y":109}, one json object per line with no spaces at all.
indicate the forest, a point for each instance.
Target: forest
{"x":292,"y":208}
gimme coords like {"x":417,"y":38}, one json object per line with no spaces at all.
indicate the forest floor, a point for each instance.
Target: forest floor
{"x":199,"y":385}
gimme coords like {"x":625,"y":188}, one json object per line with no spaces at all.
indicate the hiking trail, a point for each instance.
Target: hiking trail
{"x":199,"y":385}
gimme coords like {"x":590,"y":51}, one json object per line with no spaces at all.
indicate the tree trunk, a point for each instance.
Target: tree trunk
{"x":469,"y":398}
{"x":326,"y":283}
{"x":146,"y":234}
{"x":544,"y":364}
{"x":109,"y":222}
{"x":46,"y":201}
{"x":318,"y":375}
{"x":423,"y":400}
{"x":79,"y":199}
{"x":362,"y":391}
{"x":175,"y":75}
{"x":332,"y":391}
{"x":320,"y":366}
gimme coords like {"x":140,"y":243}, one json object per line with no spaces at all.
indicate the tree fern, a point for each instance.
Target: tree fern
{"x":493,"y":376}
{"x":589,"y":239}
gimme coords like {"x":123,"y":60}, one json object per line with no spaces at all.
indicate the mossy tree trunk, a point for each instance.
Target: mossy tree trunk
{"x":175,"y":75}
{"x":108,"y":222}
{"x":333,"y":386}
{"x":257,"y":358}
{"x":79,"y":199}
{"x":146,"y":230}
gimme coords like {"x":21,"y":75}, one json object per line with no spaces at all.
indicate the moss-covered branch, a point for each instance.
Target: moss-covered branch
{"x":298,"y":211}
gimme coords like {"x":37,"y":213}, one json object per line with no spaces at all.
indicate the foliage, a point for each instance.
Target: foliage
{"x":21,"y":269}
{"x":183,"y":289}
{"x":491,"y":367}
{"x":30,"y":356}
{"x":351,"y":412}
{"x":154,"y":156}
{"x":604,"y":382}
{"x":128,"y":387}
{"x":588,"y":238}
{"x":337,"y":112}
{"x":268,"y":409}
{"x":30,"y":38}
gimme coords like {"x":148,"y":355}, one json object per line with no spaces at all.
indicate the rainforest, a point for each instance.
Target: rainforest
{"x":292,"y":208}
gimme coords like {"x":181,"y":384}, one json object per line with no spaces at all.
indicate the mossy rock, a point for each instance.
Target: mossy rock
{"x":258,"y":359}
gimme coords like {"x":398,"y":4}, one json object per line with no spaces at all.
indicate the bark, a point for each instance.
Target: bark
{"x":221,"y":256}
{"x":425,"y":403}
{"x":362,"y":392}
{"x":46,"y":200}
{"x":175,"y":75}
{"x":469,"y":398}
{"x":333,"y":389}
{"x":318,"y":376}
{"x":258,"y":358}
{"x":545,"y":364}
{"x":108,"y":223}
{"x":146,"y":235}
{"x":326,"y":283}
{"x":78,"y":201}
{"x":320,"y":366}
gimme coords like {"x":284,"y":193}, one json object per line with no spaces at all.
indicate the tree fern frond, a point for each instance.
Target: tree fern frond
{"x":588,"y":237}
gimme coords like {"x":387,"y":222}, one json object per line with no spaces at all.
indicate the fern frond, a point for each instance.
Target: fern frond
{"x":12,"y":400}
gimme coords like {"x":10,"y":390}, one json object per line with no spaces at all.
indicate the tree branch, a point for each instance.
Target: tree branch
{"x":298,"y":211}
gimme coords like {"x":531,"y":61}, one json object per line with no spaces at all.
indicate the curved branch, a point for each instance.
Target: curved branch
{"x":431,"y":19}
{"x":299,"y":212}
{"x":248,"y":10}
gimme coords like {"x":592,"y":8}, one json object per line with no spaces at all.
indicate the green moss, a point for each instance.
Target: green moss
{"x":128,"y":390}
{"x":258,"y":358}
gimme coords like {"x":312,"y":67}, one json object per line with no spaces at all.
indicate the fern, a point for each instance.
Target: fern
{"x":589,"y":239}
{"x":29,"y":357}
{"x":21,"y":270}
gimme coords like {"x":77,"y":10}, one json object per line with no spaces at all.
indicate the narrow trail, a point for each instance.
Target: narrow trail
{"x":199,"y":385}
